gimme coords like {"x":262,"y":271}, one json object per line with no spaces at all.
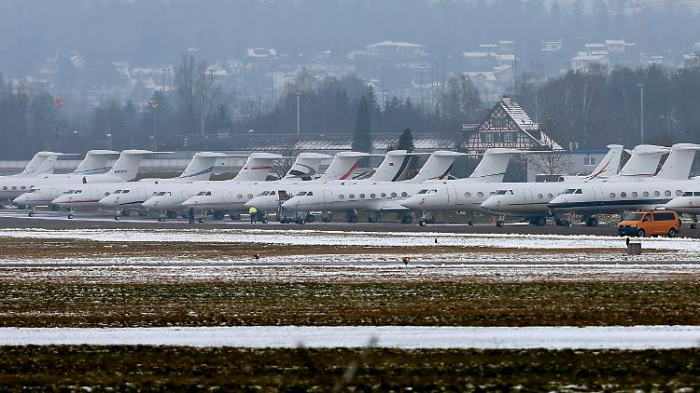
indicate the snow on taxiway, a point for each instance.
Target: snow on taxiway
{"x":362,"y":239}
{"x":406,"y":337}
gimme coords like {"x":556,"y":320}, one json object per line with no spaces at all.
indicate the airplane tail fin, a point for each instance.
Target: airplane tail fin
{"x":256,"y":167}
{"x":127,"y":165}
{"x":394,"y":167}
{"x":644,"y":161}
{"x":306,"y":166}
{"x":610,"y":164}
{"x":679,"y":162}
{"x":437,"y":166}
{"x":42,"y":163}
{"x":493,"y":165}
{"x":343,"y":166}
{"x":95,"y":162}
{"x":202,"y":166}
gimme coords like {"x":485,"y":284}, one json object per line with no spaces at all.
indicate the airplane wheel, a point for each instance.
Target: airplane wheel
{"x":117,"y":218}
{"x":327,"y":218}
{"x":126,"y":212}
{"x":201,"y":220}
{"x":470,"y":222}
{"x":352,"y":219}
{"x":31,"y":214}
{"x":422,"y":223}
{"x":592,"y":222}
{"x":264,"y":220}
{"x":310,"y":218}
{"x":371,"y":219}
{"x":55,"y":208}
{"x":161,"y":219}
{"x":235,"y":217}
{"x":500,"y":224}
{"x":540,"y":221}
{"x":299,"y":221}
{"x":218,"y":216}
{"x":693,"y":226}
{"x":406,"y":219}
{"x":70,"y":216}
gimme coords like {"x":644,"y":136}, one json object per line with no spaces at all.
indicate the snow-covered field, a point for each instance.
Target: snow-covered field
{"x":364,"y":239}
{"x":407,"y":337}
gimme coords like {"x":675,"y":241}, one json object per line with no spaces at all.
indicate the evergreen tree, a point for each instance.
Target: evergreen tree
{"x":406,"y":141}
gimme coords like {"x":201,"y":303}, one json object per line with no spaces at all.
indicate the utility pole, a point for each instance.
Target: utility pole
{"x":299,"y":94}
{"x":641,"y":110}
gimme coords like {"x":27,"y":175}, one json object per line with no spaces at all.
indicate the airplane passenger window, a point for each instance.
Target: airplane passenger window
{"x":550,"y":196}
{"x":635,"y":194}
{"x":352,"y":196}
{"x":612,"y":195}
{"x":678,"y":192}
{"x":383,"y":195}
{"x":362,"y":196}
{"x":23,"y":187}
{"x":14,"y":187}
{"x":372,"y":196}
{"x":667,"y":193}
{"x":341,"y":196}
{"x":623,"y":194}
{"x":239,"y":196}
{"x":468,"y":194}
{"x":540,"y":196}
{"x":394,"y":195}
{"x":657,"y":193}
{"x":480,"y":194}
{"x":404,"y":194}
{"x":4,"y":187}
{"x":646,"y":193}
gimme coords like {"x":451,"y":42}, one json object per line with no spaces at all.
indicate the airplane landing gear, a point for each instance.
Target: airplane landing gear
{"x":326,"y":217}
{"x":55,"y":208}
{"x":592,"y":221}
{"x":406,"y":219}
{"x":310,"y":217}
{"x":694,"y":225}
{"x":500,"y":221}
{"x":538,"y":221}
{"x":562,"y":222}
{"x":352,"y":217}
{"x":31,"y":212}
{"x":375,"y":218}
{"x":70,"y":214}
{"x":117,"y":218}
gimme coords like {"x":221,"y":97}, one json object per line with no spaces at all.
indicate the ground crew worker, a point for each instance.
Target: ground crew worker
{"x":190,"y":213}
{"x":253,"y":214}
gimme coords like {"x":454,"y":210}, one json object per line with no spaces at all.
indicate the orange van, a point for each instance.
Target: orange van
{"x":649,"y":223}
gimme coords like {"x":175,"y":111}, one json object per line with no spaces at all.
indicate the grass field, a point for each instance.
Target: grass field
{"x":339,"y":304}
{"x":232,"y":369}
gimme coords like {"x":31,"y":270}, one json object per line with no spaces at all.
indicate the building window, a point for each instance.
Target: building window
{"x":510,"y":138}
{"x":500,"y":122}
{"x":488,"y":137}
{"x":589,"y":161}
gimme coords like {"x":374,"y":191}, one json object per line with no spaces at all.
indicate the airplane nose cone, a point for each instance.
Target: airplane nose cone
{"x":252,"y":202}
{"x":20,"y":200}
{"x":190,"y":202}
{"x":290,"y":204}
{"x":412,"y":203}
{"x":149,"y":204}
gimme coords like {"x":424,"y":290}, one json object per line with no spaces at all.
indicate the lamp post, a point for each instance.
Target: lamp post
{"x":109,"y":141}
{"x":299,"y":94}
{"x":250,"y":140}
{"x":641,"y":110}
{"x":75,"y":141}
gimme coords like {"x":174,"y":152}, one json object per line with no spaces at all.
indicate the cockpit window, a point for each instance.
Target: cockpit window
{"x":201,"y":193}
{"x":126,"y":191}
{"x":432,"y":192}
{"x":78,"y":191}
{"x":33,"y":190}
{"x":578,"y":191}
{"x":310,"y":193}
{"x":208,"y":193}
{"x":302,"y":193}
{"x":687,"y":194}
{"x":265,"y":193}
{"x":118,"y":192}
{"x":421,"y":192}
{"x":569,"y":191}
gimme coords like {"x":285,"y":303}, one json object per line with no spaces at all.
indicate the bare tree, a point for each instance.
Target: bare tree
{"x":550,"y":163}
{"x":281,"y":167}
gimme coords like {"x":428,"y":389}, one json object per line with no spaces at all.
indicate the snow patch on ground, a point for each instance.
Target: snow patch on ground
{"x":406,"y":337}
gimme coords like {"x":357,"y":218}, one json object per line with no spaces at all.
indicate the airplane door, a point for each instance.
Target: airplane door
{"x":283,"y":196}
{"x":328,"y":197}
{"x":451,"y":195}
{"x":527,"y":196}
{"x":598,"y":196}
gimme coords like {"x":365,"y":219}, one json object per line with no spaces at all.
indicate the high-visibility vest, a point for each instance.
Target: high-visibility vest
{"x":252,"y":210}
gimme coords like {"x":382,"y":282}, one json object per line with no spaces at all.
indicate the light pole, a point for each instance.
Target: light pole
{"x":641,"y":116}
{"x":109,"y":141}
{"x":250,"y":140}
{"x":299,"y":94}
{"x":75,"y":141}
